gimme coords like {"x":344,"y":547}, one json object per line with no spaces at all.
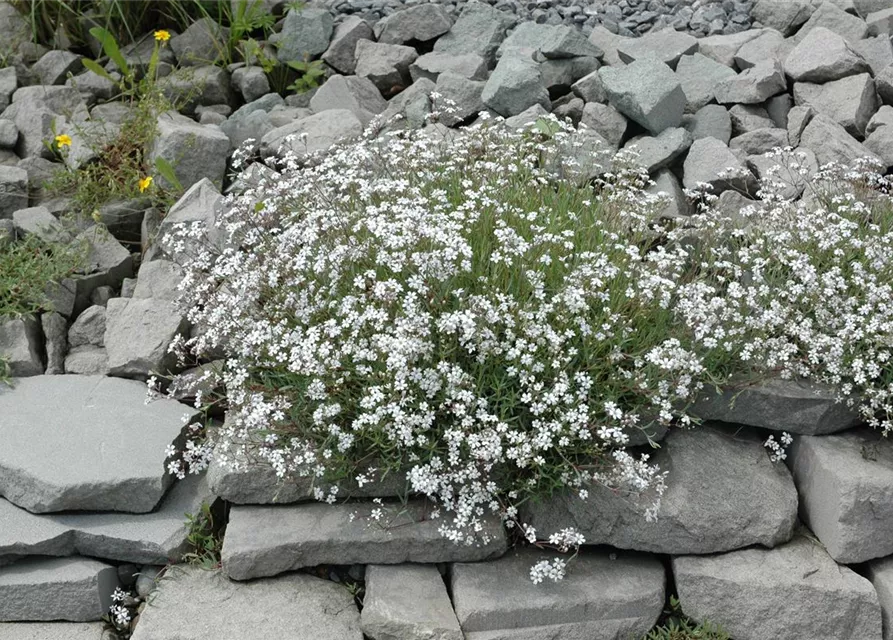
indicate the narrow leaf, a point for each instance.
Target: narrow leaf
{"x":167,"y":172}
{"x":110,"y":46}
{"x":96,"y":68}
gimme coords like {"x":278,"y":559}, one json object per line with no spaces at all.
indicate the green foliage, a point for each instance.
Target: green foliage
{"x":312,"y":71}
{"x":205,"y":538}
{"x":676,"y":626}
{"x":26,"y":268}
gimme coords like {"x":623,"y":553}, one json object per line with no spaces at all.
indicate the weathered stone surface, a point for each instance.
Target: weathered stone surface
{"x":787,"y":168}
{"x":880,"y":22}
{"x":341,"y":54}
{"x":607,"y":42}
{"x":54,"y":66}
{"x":40,"y":222}
{"x":8,"y":84}
{"x":723,"y":48}
{"x":677,"y":203}
{"x":76,"y":589}
{"x":13,"y":190}
{"x":358,"y":95}
{"x":87,"y":361}
{"x":823,"y":56}
{"x":21,"y":345}
{"x":514,"y":86}
{"x":667,"y":46}
{"x":323,"y":130}
{"x":251,"y":82}
{"x":9,"y":134}
{"x":711,"y":121}
{"x":850,"y":101}
{"x":408,"y":601}
{"x":36,"y":110}
{"x":844,"y":483}
{"x":784,"y":15}
{"x":202,"y":43}
{"x":834,"y":18}
{"x":138,"y":333}
{"x":646,"y":91}
{"x":778,"y":107}
{"x":661,"y":150}
{"x":749,"y":117}
{"x":305,"y":33}
{"x":158,"y":279}
{"x":411,"y":108}
{"x":752,"y":86}
{"x":877,"y":52}
{"x":599,"y":599}
{"x":770,"y":45}
{"x":385,"y":65}
{"x":832,"y":143}
{"x":759,"y":141}
{"x":267,"y":540}
{"x":880,"y":573}
{"x":699,"y":76}
{"x":91,"y":463}
{"x":194,"y":151}
{"x":418,"y":23}
{"x":795,"y":591}
{"x":479,"y":29}
{"x":192,"y":604}
{"x":711,"y":161}
{"x":740,"y":499}
{"x":198,"y":205}
{"x":606,"y":121}
{"x":52,"y":631}
{"x":195,"y":87}
{"x":55,"y":332}
{"x":431,"y":65}
{"x":798,"y":118}
{"x":464,"y":94}
{"x":590,"y":88}
{"x":560,"y":74}
{"x":538,"y":41}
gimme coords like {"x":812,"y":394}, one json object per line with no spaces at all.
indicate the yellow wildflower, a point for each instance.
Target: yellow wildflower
{"x":63,"y":140}
{"x":145,"y":183}
{"x":162,"y":35}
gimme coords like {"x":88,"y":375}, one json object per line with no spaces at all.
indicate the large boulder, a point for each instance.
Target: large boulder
{"x":341,"y":54}
{"x":321,"y":132}
{"x":306,"y":33}
{"x":419,"y":23}
{"x":515,"y":85}
{"x":203,"y":42}
{"x":138,"y":335}
{"x":195,"y":151}
{"x":646,"y":91}
{"x":197,"y":207}
{"x":667,"y":46}
{"x":752,"y":86}
{"x":479,"y":29}
{"x":356,"y":94}
{"x":784,"y":15}
{"x":385,"y":65}
{"x":823,"y":56}
{"x":710,"y":161}
{"x":831,"y":142}
{"x":835,"y":18}
{"x":699,"y":76}
{"x":850,"y":101}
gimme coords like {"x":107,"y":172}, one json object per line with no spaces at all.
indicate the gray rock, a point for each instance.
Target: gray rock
{"x":195,"y":151}
{"x":753,"y":85}
{"x":843,"y":482}
{"x":211,"y":117}
{"x":606,"y":121}
{"x":431,"y":65}
{"x":877,"y":52}
{"x":123,"y":218}
{"x":37,"y":110}
{"x":748,"y":117}
{"x":786,"y":170}
{"x":55,"y":330}
{"x":711,"y":161}
{"x":769,"y":46}
{"x":411,"y":108}
{"x":783,"y":15}
{"x":798,"y":118}
{"x":408,"y":601}
{"x":538,"y":41}
{"x":91,"y":464}
{"x":829,"y":16}
{"x":560,"y":74}
{"x":158,"y":279}
{"x":76,"y":589}
{"x":306,"y":33}
{"x":676,"y":204}
{"x":385,"y":65}
{"x":105,"y":256}
{"x":515,"y":85}
{"x":8,"y":84}
{"x":193,"y":87}
{"x":202,"y":43}
{"x":722,"y":48}
{"x":40,"y":222}
{"x":148,"y":579}
{"x":699,"y":76}
{"x":823,"y":56}
{"x":866,"y":7}
{"x":194,"y":604}
{"x":880,"y":573}
{"x":711,"y":121}
{"x":94,"y":87}
{"x":13,"y":190}
{"x":87,"y":361}
{"x":646,"y":91}
{"x":284,"y":115}
{"x":880,"y":135}
{"x":266,"y":103}
{"x":341,"y":54}
{"x":267,"y":540}
{"x":464,"y":94}
{"x":356,"y":94}
{"x":54,"y":66}
{"x":884,"y":84}
{"x":832,"y":143}
{"x":601,"y":598}
{"x":21,"y":345}
{"x":323,"y":130}
{"x":704,"y":509}
{"x":253,"y":126}
{"x":850,"y":101}
{"x":138,"y":333}
{"x":50,"y":630}
{"x":251,"y":82}
{"x":9,"y":134}
{"x":568,"y":107}
{"x":742,"y":591}
{"x":526,"y":117}
{"x":760,"y":141}
{"x":778,"y":108}
{"x":198,"y":205}
{"x":609,"y":43}
{"x":590,"y":88}
{"x":479,"y":29}
{"x":419,"y":23}
{"x":880,"y":22}
{"x":662,"y":150}
{"x":667,"y":46}
{"x":89,"y":328}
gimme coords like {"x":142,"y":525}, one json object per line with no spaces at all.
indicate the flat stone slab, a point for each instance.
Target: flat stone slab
{"x":722,"y":493}
{"x":75,"y":589}
{"x":408,"y":601}
{"x":845,"y":484}
{"x":795,"y":592}
{"x":267,"y":540}
{"x":52,"y":631}
{"x":599,"y":598}
{"x":158,"y":537}
{"x":192,"y":604}
{"x":85,"y":443}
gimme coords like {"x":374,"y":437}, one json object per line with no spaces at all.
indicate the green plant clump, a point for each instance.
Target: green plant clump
{"x":27,"y":268}
{"x":677,"y":626}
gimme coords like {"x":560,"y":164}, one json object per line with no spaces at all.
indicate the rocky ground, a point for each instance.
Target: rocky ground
{"x":87,"y":505}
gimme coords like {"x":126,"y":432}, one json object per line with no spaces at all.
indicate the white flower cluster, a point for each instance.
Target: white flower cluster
{"x":777,"y":450}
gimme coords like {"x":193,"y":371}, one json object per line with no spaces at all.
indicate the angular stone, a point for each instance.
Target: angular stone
{"x":823,"y":56}
{"x":798,"y":118}
{"x":677,"y":204}
{"x":590,"y":88}
{"x":844,"y":481}
{"x":784,"y":15}
{"x":880,"y":573}
{"x":662,"y":150}
{"x":769,"y":46}
{"x":158,"y":279}
{"x":87,"y":361}
{"x":419,"y":23}
{"x":54,"y":66}
{"x":606,"y":121}
{"x":742,"y":591}
{"x":193,"y":604}
{"x":8,"y":84}
{"x":341,"y":54}
{"x":195,"y":87}
{"x":850,"y":101}
{"x":711,"y":121}
{"x":749,"y":117}
{"x":600,"y":598}
{"x":9,"y":134}
{"x":479,"y":29}
{"x":411,"y":108}
{"x":91,"y":464}
{"x":385,"y":65}
{"x":753,"y":85}
{"x":75,"y":589}
{"x":568,"y":107}
{"x":358,"y":95}
{"x":464,"y":94}
{"x":787,"y":170}
{"x":865,"y":7}
{"x":253,"y":126}
{"x":408,"y":601}
{"x":884,"y":84}
{"x":251,"y":82}
{"x":55,"y":330}
{"x":13,"y":190}
{"x":711,"y":161}
{"x":760,"y":141}
{"x":198,"y":206}
{"x":877,"y":52}
{"x":699,"y":76}
{"x":538,"y":41}
{"x":267,"y":540}
{"x":21,"y":346}
{"x":829,"y":16}
{"x":722,"y":48}
{"x":832,"y":143}
{"x":89,"y":328}
{"x":305,"y":34}
{"x":37,"y":110}
{"x":40,"y":222}
{"x":194,"y":151}
{"x":725,"y":492}
{"x":138,"y":335}
{"x":51,"y":630}
{"x":560,"y":74}
{"x":778,"y":108}
{"x":646,"y":91}
{"x":202,"y":43}
{"x":323,"y":130}
{"x":515,"y":85}
{"x":666,"y":46}
{"x":431,"y":65}
{"x":607,"y":42}
{"x":880,"y":22}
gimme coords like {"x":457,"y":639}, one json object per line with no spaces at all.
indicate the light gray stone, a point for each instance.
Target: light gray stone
{"x":358,"y":95}
{"x":538,"y":41}
{"x":666,"y":46}
{"x":479,"y":29}
{"x":823,"y":56}
{"x":105,"y":256}
{"x":711,"y":161}
{"x":8,"y":84}
{"x":419,"y":23}
{"x":646,"y":91}
{"x":844,"y":481}
{"x":91,"y":464}
{"x":87,"y":361}
{"x":251,"y":82}
{"x":661,"y":150}
{"x":194,"y":151}
{"x":158,"y":279}
{"x":306,"y":33}
{"x":123,"y":218}
{"x":743,"y":591}
{"x":253,"y":126}
{"x":832,"y":143}
{"x":266,"y":540}
{"x":607,"y":42}
{"x":699,"y":77}
{"x":783,"y":15}
{"x":194,"y":87}
{"x":561,"y":73}
{"x":193,"y":604}
{"x":778,"y":108}
{"x":148,"y":579}
{"x":41,"y":223}
{"x":94,"y":87}
{"x":760,"y":141}
{"x":431,"y":65}
{"x":75,"y":589}
{"x":202,"y":43}
{"x":526,"y":117}
{"x":409,"y":602}
{"x":677,"y":204}
{"x":711,"y":121}
{"x":770,"y":45}
{"x":54,"y":66}
{"x":323,"y":130}
{"x":37,"y":110}
{"x":884,"y":84}
{"x":138,"y":334}
{"x":341,"y":54}
{"x":13,"y":190}
{"x":834,"y":18}
{"x":753,"y":85}
{"x":705,"y":509}
{"x":798,"y":118}
{"x":590,"y":88}
{"x":880,"y":141}
{"x":786,"y":170}
{"x":9,"y":134}
{"x":51,"y":630}
{"x":385,"y":65}
{"x":21,"y":345}
{"x":55,"y":330}
{"x":515,"y":85}
{"x":722,"y":48}
{"x":877,"y":52}
{"x":606,"y":121}
{"x":464,"y":94}
{"x":600,"y":598}
{"x":199,"y":205}
{"x":880,"y":573}
{"x":880,"y":22}
{"x":850,"y":101}
{"x":89,"y":328}
{"x":411,"y":108}
{"x":866,"y":7}
{"x":749,"y":117}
